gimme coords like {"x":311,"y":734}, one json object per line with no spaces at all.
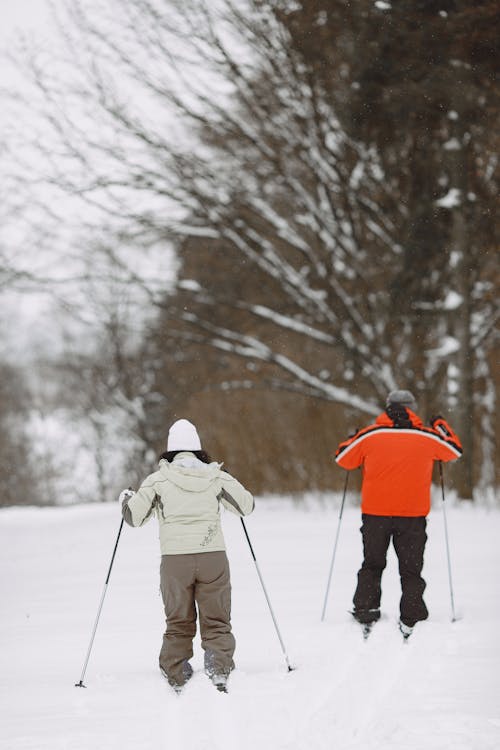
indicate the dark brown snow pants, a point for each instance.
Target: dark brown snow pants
{"x":200,"y":579}
{"x":408,"y":536}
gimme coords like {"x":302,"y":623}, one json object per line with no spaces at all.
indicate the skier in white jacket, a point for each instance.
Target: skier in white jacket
{"x":185,"y":494}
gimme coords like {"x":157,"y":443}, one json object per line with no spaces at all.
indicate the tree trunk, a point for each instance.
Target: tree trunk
{"x":463,"y":411}
{"x":462,"y":261}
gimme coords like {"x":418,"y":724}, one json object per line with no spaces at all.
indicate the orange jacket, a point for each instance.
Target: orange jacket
{"x":397,"y":463}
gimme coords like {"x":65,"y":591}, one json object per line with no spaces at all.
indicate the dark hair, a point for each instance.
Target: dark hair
{"x":399,"y":415}
{"x":201,"y":455}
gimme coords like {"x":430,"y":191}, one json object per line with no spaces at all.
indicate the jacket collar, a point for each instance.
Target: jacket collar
{"x":384,"y":420}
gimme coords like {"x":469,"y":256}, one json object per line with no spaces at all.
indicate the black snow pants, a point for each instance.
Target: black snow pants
{"x":408,"y":537}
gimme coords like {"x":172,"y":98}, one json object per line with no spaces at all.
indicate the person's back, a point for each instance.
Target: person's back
{"x":397,"y":455}
{"x":186,"y":494}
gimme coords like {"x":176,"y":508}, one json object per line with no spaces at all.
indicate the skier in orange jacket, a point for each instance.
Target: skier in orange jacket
{"x":397,"y":455}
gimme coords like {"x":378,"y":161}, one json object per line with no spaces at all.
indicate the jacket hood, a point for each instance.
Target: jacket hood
{"x":189,"y":473}
{"x":384,"y":420}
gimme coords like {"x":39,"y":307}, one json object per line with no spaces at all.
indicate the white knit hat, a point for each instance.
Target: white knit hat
{"x":182,"y":436}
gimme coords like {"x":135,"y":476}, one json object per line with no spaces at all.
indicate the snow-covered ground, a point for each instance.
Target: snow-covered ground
{"x":440,"y":691}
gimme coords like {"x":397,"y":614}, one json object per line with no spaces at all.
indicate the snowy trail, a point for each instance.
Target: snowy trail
{"x":440,"y":690}
{"x":361,"y":686}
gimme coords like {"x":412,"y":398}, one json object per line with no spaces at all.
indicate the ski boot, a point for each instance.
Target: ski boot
{"x":220,"y":682}
{"x":405,"y":630}
{"x":366,"y":628}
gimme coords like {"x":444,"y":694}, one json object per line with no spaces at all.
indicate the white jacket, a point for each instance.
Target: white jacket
{"x":186,"y":496}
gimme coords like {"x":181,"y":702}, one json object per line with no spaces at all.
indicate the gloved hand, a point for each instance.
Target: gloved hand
{"x":125,"y":495}
{"x":439,"y":423}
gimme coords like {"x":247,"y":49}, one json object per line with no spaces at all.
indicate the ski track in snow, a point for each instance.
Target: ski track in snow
{"x":440,"y":690}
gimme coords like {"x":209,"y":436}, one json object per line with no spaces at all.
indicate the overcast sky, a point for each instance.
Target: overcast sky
{"x":31,"y":17}
{"x":21,"y":15}
{"x":21,"y":314}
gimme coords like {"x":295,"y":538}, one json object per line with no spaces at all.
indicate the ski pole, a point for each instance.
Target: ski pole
{"x":453,"y":616}
{"x":335,"y":547}
{"x":80,"y":684}
{"x":290,"y":669}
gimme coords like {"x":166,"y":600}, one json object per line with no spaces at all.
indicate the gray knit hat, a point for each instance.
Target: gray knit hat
{"x":405,"y":398}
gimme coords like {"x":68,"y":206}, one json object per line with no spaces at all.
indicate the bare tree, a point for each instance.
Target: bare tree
{"x":294,"y":198}
{"x":418,"y":86}
{"x":202,"y":125}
